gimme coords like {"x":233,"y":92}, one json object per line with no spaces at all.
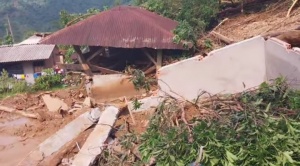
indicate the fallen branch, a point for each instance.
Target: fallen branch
{"x":12,"y":110}
{"x":222,"y":37}
{"x":222,"y":22}
{"x":187,"y":124}
{"x":291,"y":8}
{"x":130,"y":112}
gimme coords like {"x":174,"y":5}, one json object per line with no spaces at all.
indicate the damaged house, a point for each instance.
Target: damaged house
{"x":27,"y":59}
{"x":116,"y":38}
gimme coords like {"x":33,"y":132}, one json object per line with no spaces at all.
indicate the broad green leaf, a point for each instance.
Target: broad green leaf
{"x":288,"y":157}
{"x":268,"y":107}
{"x":231,"y":157}
{"x":172,"y":158}
{"x":180,"y":163}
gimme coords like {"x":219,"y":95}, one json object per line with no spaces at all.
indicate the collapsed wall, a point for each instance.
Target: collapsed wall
{"x":231,"y":69}
{"x":227,"y":70}
{"x":282,"y":61}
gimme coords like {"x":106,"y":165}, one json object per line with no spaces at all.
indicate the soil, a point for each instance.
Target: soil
{"x":273,"y":18}
{"x":20,"y":135}
{"x":125,"y":124}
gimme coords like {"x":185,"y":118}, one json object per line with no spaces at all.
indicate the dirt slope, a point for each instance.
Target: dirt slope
{"x":273,"y":18}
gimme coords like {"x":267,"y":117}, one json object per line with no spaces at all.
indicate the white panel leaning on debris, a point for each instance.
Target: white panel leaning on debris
{"x":227,"y":70}
{"x":282,"y":61}
{"x":93,"y":146}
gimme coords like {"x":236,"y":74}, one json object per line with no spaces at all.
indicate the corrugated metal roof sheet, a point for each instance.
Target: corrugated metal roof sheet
{"x":123,"y":27}
{"x":31,"y":40}
{"x":25,"y":53}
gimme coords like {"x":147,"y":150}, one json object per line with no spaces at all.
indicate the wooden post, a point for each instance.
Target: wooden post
{"x":82,"y":60}
{"x":159,"y":59}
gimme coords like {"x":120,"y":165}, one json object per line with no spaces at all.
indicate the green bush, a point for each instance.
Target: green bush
{"x":48,"y":81}
{"x":11,"y":85}
{"x":194,"y":16}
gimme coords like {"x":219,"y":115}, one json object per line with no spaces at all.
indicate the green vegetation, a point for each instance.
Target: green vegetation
{"x":48,"y":81}
{"x":139,"y":80}
{"x":194,"y":16}
{"x":11,"y":86}
{"x":257,"y":127}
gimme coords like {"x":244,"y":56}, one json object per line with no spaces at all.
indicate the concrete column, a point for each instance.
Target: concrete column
{"x":28,"y":71}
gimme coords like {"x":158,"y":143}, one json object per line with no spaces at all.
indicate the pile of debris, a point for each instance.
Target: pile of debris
{"x":38,"y":106}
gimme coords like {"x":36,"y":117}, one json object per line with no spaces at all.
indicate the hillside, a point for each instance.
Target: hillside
{"x":41,"y":15}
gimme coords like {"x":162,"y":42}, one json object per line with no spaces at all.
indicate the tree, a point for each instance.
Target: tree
{"x":194,"y":16}
{"x":8,"y":40}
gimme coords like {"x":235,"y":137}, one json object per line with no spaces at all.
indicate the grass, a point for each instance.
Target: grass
{"x":30,"y":91}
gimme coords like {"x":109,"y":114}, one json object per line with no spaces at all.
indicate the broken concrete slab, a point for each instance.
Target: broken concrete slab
{"x":231,"y":69}
{"x":148,"y":103}
{"x":283,"y":61}
{"x":54,"y":104}
{"x":36,"y":156}
{"x":95,"y":114}
{"x":87,"y":102}
{"x":94,"y":143}
{"x":59,"y":139}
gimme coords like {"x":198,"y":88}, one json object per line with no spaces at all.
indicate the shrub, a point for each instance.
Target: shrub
{"x":11,"y":85}
{"x":48,"y":80}
{"x":194,"y":16}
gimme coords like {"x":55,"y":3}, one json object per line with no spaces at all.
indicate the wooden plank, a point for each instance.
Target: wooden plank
{"x":104,"y":70}
{"x":84,"y":67}
{"x":149,"y":56}
{"x":159,"y":59}
{"x":95,"y":54}
{"x":82,"y":60}
{"x":150,"y":70}
{"x":222,"y":37}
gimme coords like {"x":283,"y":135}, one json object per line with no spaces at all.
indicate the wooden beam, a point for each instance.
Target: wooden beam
{"x":149,"y":56}
{"x":222,"y":37}
{"x":104,"y":70}
{"x":150,"y":70}
{"x":79,"y":52}
{"x":74,"y":67}
{"x":95,"y":54}
{"x":159,"y":59}
{"x":82,"y":60}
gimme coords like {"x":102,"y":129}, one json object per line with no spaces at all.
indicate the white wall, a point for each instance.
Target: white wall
{"x":281,"y":61}
{"x":28,"y":71}
{"x":228,"y":70}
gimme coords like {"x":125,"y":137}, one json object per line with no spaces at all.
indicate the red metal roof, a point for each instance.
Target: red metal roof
{"x":123,"y":27}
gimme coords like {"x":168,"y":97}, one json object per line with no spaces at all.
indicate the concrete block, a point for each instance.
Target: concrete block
{"x":95,"y":114}
{"x":58,"y":140}
{"x":148,"y":103}
{"x":54,"y":104}
{"x":87,"y":102}
{"x":94,"y":143}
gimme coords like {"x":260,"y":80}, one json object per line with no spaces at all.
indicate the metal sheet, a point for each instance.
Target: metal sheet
{"x":121,"y":27}
{"x":25,"y":53}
